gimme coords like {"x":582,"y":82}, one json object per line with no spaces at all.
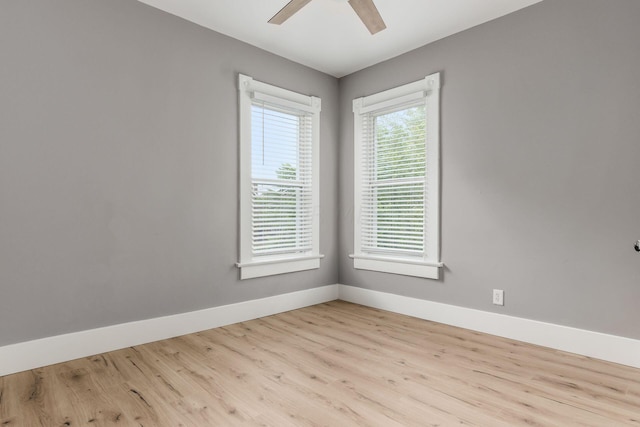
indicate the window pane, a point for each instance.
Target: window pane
{"x":394,"y":194}
{"x":400,"y":139}
{"x":274,"y":143}
{"x":281,"y":173}
{"x":277,"y":221}
{"x":400,"y":217}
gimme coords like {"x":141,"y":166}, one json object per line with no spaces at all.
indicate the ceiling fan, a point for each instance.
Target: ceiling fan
{"x":365,"y":9}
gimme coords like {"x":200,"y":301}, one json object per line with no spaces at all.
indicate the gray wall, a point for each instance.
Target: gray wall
{"x":541,"y":164}
{"x":119,"y":153}
{"x":118,"y":166}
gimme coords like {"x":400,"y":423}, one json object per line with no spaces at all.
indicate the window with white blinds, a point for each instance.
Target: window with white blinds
{"x":279,"y":180}
{"x":393,"y":182}
{"x":397,"y":180}
{"x":281,"y":171}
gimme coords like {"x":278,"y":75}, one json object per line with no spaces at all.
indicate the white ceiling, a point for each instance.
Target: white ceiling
{"x":327,"y":35}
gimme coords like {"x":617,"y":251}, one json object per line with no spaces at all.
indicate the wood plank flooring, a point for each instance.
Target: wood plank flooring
{"x":334,"y":364}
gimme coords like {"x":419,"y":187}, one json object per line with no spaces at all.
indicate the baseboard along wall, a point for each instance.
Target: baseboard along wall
{"x":47,"y":351}
{"x":61,"y":348}
{"x":612,"y":348}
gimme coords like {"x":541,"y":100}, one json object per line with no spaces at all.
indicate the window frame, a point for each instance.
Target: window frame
{"x":429,"y":265}
{"x":265,"y":265}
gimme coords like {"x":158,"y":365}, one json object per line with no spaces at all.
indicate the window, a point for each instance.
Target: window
{"x":279,"y":198}
{"x":397,"y":180}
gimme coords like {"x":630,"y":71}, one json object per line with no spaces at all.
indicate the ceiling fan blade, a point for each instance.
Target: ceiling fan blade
{"x":368,"y":14}
{"x":288,"y":11}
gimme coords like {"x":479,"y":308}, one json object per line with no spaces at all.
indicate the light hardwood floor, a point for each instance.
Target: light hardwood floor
{"x":334,"y":364}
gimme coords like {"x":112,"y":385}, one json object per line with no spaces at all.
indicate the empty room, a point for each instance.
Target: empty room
{"x":319,"y":213}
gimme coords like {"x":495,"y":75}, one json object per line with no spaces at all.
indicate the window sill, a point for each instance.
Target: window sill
{"x":270,"y":267}
{"x":427,"y":270}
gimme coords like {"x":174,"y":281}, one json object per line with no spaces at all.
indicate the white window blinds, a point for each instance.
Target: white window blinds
{"x":397,"y":180}
{"x":393,"y":181}
{"x":281,"y":173}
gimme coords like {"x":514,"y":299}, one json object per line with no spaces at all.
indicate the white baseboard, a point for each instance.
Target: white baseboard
{"x":611,"y":348}
{"x":47,"y":351}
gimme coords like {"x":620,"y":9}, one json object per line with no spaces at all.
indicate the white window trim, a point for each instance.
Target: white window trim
{"x":428,"y":88}
{"x":249,"y":266}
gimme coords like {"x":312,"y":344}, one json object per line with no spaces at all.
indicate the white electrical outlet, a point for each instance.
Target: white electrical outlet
{"x":498,"y":297}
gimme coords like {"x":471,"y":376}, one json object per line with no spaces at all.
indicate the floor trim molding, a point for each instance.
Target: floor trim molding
{"x":612,"y":348}
{"x":61,"y":348}
{"x":47,"y":351}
